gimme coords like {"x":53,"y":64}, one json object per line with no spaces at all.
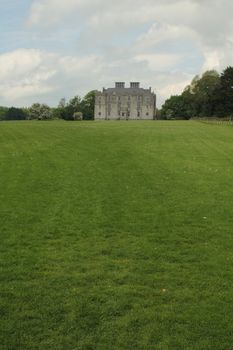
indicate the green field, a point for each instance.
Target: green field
{"x":116,"y":235}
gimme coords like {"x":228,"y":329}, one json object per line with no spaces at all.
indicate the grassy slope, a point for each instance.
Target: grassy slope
{"x":116,"y":235}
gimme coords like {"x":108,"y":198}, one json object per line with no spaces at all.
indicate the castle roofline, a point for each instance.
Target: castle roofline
{"x":127,"y":91}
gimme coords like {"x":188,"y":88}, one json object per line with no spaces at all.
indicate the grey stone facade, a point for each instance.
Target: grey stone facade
{"x":125,"y":103}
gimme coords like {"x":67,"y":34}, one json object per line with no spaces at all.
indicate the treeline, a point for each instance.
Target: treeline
{"x":210,"y":95}
{"x":75,"y":109}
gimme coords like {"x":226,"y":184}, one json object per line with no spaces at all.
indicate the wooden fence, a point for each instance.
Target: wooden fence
{"x":215,"y":121}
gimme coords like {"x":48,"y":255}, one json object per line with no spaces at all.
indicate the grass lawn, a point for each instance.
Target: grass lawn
{"x":116,"y":235}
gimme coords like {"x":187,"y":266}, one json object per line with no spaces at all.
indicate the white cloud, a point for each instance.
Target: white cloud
{"x":95,"y":42}
{"x":159,"y":62}
{"x":72,"y":65}
{"x":162,"y":33}
{"x":24,"y":73}
{"x":30,"y":74}
{"x":212,"y":59}
{"x":21,"y":64}
{"x":175,"y":85}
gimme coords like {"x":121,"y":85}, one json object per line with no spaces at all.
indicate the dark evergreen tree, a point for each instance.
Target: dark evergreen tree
{"x":175,"y":108}
{"x":15,"y":114}
{"x":223,"y":95}
{"x":73,"y":106}
{"x":88,"y":105}
{"x":3,"y":112}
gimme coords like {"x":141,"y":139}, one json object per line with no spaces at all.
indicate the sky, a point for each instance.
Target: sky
{"x":50,"y":49}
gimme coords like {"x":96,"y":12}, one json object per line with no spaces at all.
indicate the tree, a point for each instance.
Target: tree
{"x":3,"y":112}
{"x":26,"y":111}
{"x":158,"y":114}
{"x":175,"y":108}
{"x":40,"y":112}
{"x":78,"y":116}
{"x":34,"y":111}
{"x":74,"y":105}
{"x":60,"y":111}
{"x":56,"y":113}
{"x":204,"y":91}
{"x":88,"y":105}
{"x":62,"y":103}
{"x":199,"y":94}
{"x":224,"y":94}
{"x":15,"y":114}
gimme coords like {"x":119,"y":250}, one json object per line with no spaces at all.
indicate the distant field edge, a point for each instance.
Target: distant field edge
{"x":215,"y":121}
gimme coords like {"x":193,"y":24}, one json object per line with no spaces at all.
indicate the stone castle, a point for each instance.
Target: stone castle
{"x":125,"y":103}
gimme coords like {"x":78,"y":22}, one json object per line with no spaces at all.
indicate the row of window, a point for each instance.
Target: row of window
{"x":139,"y":105}
{"x":109,"y":98}
{"x":128,"y":105}
{"x":123,"y":114}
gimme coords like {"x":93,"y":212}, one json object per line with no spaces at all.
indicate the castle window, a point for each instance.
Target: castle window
{"x":147,"y":113}
{"x":138,"y":114}
{"x":123,"y":114}
{"x":99,"y":113}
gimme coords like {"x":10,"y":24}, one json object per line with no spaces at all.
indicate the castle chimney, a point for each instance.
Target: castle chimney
{"x":135,"y":85}
{"x":120,"y":85}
